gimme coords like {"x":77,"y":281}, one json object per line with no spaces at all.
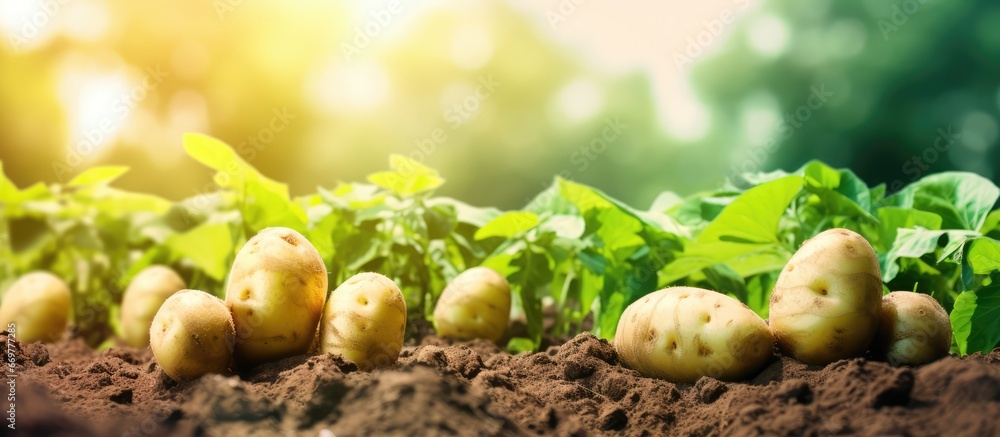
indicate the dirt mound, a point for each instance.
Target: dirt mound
{"x":438,"y":388}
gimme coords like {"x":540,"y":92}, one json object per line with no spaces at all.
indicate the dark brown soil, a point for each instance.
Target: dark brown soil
{"x":578,"y":388}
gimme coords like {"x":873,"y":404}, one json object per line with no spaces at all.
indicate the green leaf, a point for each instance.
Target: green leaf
{"x":508,"y":225}
{"x":565,"y":226}
{"x":745,"y":230}
{"x":963,"y":200}
{"x":517,"y":345}
{"x":753,"y":217}
{"x":231,"y":170}
{"x":209,"y":246}
{"x":983,"y":255}
{"x":408,"y":177}
{"x":892,"y":219}
{"x":915,"y":243}
{"x":533,"y":269}
{"x":589,"y":199}
{"x":264,"y":202}
{"x":975,"y":320}
{"x":991,"y":227}
{"x":98,"y":176}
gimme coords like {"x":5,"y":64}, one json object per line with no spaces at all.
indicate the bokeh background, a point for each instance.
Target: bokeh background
{"x":500,"y":95}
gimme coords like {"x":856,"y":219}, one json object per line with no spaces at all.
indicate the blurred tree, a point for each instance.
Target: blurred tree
{"x":894,"y":90}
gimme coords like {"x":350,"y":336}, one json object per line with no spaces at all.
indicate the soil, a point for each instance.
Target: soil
{"x":439,"y":388}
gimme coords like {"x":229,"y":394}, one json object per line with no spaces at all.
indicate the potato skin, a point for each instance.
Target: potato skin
{"x":364,"y":321}
{"x":143,"y":297}
{"x":476,"y":304}
{"x":683,"y":333}
{"x":826,"y":300}
{"x":38,"y":304}
{"x":913,"y":328}
{"x":276,"y":291}
{"x":192,"y":334}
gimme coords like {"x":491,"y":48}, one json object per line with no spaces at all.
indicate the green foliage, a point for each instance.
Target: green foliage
{"x":575,"y":257}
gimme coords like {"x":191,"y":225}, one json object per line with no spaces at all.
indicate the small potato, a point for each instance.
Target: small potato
{"x":913,"y":328}
{"x":364,"y":321}
{"x":476,"y":304}
{"x":826,"y":300}
{"x":276,"y":292}
{"x":37,"y":304}
{"x":192,"y":334}
{"x":682,"y":333}
{"x":144,"y":295}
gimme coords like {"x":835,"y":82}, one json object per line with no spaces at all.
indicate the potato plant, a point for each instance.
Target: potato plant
{"x":587,"y":253}
{"x":476,"y":304}
{"x":364,"y":321}
{"x":276,"y":291}
{"x":826,"y":301}
{"x":682,"y":333}
{"x":192,"y":334}
{"x":143,"y":297}
{"x":37,"y":306}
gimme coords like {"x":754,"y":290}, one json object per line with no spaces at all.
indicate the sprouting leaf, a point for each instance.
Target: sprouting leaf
{"x":975,"y":320}
{"x":508,"y":225}
{"x":98,"y":176}
{"x":231,"y":170}
{"x":264,"y":202}
{"x":408,"y":177}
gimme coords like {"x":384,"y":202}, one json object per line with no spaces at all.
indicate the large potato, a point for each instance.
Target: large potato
{"x":144,"y":295}
{"x":364,"y":321}
{"x":37,"y":304}
{"x":276,"y":292}
{"x":826,"y":300}
{"x":192,"y":334}
{"x":682,"y":333}
{"x":913,"y":328}
{"x":476,"y":304}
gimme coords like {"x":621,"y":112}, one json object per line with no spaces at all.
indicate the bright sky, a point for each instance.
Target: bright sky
{"x":650,"y":36}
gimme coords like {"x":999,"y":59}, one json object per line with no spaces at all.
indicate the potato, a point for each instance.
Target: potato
{"x":192,"y":334}
{"x":364,"y":321}
{"x":276,"y":291}
{"x":38,"y":306}
{"x":913,"y":328}
{"x":682,"y":333}
{"x":826,"y":300}
{"x":476,"y":304}
{"x":144,"y":295}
